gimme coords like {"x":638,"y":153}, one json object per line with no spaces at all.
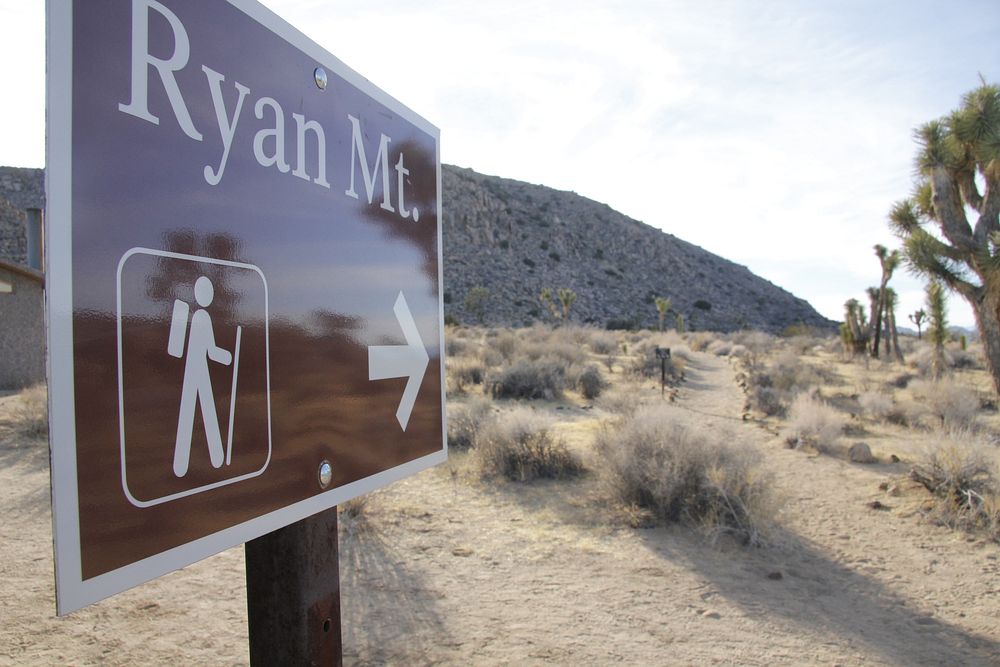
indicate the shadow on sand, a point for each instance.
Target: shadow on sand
{"x":818,"y":593}
{"x":385,"y":605}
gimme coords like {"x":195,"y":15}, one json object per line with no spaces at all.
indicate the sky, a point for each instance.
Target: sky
{"x":775,"y":134}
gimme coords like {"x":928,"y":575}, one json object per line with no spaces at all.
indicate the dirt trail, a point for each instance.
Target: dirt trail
{"x":449,"y":570}
{"x":464,"y":573}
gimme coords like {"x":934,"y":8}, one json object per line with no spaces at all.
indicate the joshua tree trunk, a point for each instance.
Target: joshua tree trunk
{"x":887,"y":330}
{"x":987,"y":311}
{"x":895,"y":336}
{"x":876,"y":320}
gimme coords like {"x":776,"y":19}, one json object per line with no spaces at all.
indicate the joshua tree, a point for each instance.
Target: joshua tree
{"x":958,"y":163}
{"x":679,"y":323}
{"x":545,"y":296}
{"x":874,"y":304}
{"x":890,"y":322}
{"x":475,"y":301}
{"x":855,"y":334}
{"x":566,"y":299}
{"x":662,"y":306}
{"x":937,"y":330}
{"x":918,"y":319}
{"x":889,"y":262}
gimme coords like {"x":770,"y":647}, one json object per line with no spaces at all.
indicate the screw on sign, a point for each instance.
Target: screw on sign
{"x":244,"y":303}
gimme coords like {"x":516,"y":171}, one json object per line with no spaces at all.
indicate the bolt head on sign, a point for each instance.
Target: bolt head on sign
{"x":244,"y":285}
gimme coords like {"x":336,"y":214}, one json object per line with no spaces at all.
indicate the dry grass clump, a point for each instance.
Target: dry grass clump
{"x":772,"y":387}
{"x":465,"y":422}
{"x":30,"y":414}
{"x":463,"y":372}
{"x":603,"y":342}
{"x":622,"y":401}
{"x":455,"y":346}
{"x":963,"y":475}
{"x":813,"y":423}
{"x":955,"y":358}
{"x":720,"y":348}
{"x":948,"y":403}
{"x":755,"y":343}
{"x":699,"y":341}
{"x":655,"y":465}
{"x":569,"y":354}
{"x":539,"y":379}
{"x":506,"y":345}
{"x":520,"y":446}
{"x":876,"y":405}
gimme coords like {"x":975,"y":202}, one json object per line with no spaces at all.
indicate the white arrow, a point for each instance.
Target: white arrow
{"x":401,"y":361}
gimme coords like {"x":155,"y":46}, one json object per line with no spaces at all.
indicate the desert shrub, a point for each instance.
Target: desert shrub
{"x":700,"y":341}
{"x":622,"y":401}
{"x":875,"y":405}
{"x":653,"y":462}
{"x":901,"y":381}
{"x":720,"y":348}
{"x":591,"y":383}
{"x":490,"y":357}
{"x":757,"y":343}
{"x":566,"y":352}
{"x":353,"y":515}
{"x":603,"y":343}
{"x":463,"y":372}
{"x":465,"y":422}
{"x":767,"y":400}
{"x":520,"y":446}
{"x":529,"y":379}
{"x":954,"y":359}
{"x":505,"y":344}
{"x":964,"y":359}
{"x":772,"y":387}
{"x":950,"y":404}
{"x":455,"y":346}
{"x":30,"y":414}
{"x":814,"y":423}
{"x":921,"y":359}
{"x":963,"y":475}
{"x":790,"y":374}
{"x":739,"y":352}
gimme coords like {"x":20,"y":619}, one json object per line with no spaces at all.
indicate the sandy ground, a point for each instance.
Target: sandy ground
{"x":447,"y":569}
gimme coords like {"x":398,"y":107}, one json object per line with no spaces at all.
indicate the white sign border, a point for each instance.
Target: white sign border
{"x":72,"y":591}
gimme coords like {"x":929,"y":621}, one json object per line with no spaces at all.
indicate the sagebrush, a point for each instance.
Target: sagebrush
{"x":521,"y":446}
{"x":650,"y":460}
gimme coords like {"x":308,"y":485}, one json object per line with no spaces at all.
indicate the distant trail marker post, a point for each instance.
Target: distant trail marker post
{"x":663,"y":353}
{"x":244,"y":302}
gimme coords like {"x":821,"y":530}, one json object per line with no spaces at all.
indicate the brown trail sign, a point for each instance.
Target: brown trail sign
{"x":244,"y":285}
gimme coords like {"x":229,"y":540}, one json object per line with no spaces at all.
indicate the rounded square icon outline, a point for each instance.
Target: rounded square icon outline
{"x":121,"y":386}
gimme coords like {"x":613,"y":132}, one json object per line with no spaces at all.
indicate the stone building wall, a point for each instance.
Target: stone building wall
{"x":23,"y":187}
{"x":22,"y":301}
{"x":22,"y":326}
{"x":13,"y":237}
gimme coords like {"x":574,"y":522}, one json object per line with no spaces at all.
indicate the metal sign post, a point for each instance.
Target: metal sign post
{"x":293,"y":594}
{"x":243,"y":297}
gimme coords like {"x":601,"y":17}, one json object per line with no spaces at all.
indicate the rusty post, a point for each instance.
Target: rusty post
{"x":663,"y":376}
{"x":293,"y":594}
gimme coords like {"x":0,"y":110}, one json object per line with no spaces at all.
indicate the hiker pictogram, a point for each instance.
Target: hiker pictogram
{"x":197,"y":388}
{"x":194,"y":406}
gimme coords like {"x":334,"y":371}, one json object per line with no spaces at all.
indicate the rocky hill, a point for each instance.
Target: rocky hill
{"x":514,"y":239}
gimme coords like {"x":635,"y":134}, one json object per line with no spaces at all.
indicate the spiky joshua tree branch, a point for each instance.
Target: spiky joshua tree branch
{"x":950,"y":226}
